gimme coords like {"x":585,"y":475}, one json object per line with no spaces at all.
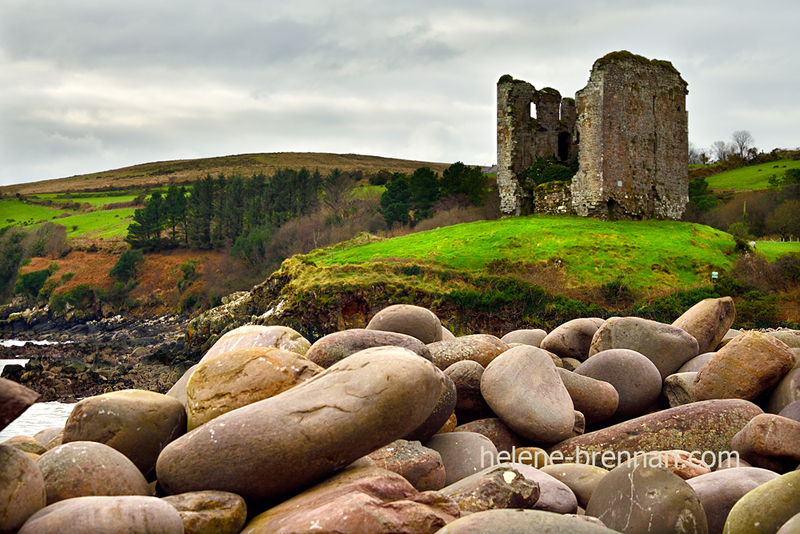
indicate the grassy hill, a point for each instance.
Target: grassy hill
{"x":752,"y":177}
{"x":186,"y":171}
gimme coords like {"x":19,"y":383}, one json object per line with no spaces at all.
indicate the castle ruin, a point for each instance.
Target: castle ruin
{"x":628,"y":128}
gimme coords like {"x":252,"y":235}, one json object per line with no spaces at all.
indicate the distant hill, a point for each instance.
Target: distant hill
{"x":189,"y":170}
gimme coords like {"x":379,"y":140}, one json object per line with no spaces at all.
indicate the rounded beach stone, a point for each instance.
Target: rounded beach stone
{"x":100,"y":515}
{"x":135,"y":422}
{"x":230,"y":380}
{"x":791,"y":527}
{"x":463,"y":453}
{"x":279,"y":445}
{"x":420,"y":465}
{"x":708,"y":321}
{"x":707,"y":426}
{"x":439,"y":416}
{"x":694,"y":365}
{"x":280,"y":337}
{"x":408,"y":319}
{"x":83,"y":468}
{"x":595,"y":399}
{"x":635,"y":378}
{"x":786,"y":392}
{"x":209,"y":512}
{"x":766,"y":508}
{"x":572,"y":339}
{"x":524,"y":389}
{"x":532,"y":337}
{"x":792,"y":411}
{"x":178,"y":390}
{"x":48,"y":434}
{"x":554,"y":495}
{"x":679,"y":388}
{"x":26,"y":444}
{"x":15,"y":399}
{"x":582,"y":479}
{"x":636,"y":497}
{"x":744,"y":368}
{"x":470,"y":404}
{"x":517,"y":521}
{"x":334,"y":347}
{"x":366,"y":500}
{"x":667,"y":346}
{"x":22,"y":490}
{"x":504,"y":439}
{"x":720,"y":490}
{"x":496,"y":487}
{"x":770,"y":441}
{"x":790,"y":337}
{"x":482,"y":348}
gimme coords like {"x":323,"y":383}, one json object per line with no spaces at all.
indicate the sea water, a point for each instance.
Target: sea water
{"x":40,"y":415}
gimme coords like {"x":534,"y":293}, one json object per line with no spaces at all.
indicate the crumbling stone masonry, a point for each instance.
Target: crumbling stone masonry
{"x":631,"y":136}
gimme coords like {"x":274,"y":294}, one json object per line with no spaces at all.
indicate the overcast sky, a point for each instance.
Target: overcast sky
{"x":87,"y":86}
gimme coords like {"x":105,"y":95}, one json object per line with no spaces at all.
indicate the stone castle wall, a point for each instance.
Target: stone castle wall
{"x":628,"y":128}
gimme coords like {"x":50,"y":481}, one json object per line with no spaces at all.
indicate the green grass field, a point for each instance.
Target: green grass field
{"x":16,"y":212}
{"x":751,"y":178}
{"x":646,"y":255}
{"x":96,"y":224}
{"x":772,"y":249}
{"x":96,"y":200}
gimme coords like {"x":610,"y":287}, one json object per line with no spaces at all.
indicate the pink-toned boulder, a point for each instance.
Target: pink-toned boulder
{"x":280,"y":337}
{"x":22,"y":490}
{"x":708,"y":321}
{"x":408,"y":319}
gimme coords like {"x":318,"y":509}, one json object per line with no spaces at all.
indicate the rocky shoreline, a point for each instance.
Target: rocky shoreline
{"x":96,"y":357}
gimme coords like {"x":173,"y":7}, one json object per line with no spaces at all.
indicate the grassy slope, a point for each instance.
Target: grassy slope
{"x":646,"y":255}
{"x":772,"y":249}
{"x":185,"y":171}
{"x":751,"y":178}
{"x":98,"y":224}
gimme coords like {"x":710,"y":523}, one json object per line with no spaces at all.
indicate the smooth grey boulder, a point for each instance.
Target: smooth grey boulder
{"x":470,"y":404}
{"x":554,"y":495}
{"x":209,"y":512}
{"x":524,"y":389}
{"x":496,"y":430}
{"x":532,"y":337}
{"x":522,"y":521}
{"x":694,"y":365}
{"x":496,"y":487}
{"x":130,"y":514}
{"x":595,"y":399}
{"x":667,"y":346}
{"x":360,"y":404}
{"x":408,"y":319}
{"x":137,"y":423}
{"x":482,"y":348}
{"x":280,"y":337}
{"x":463,"y":453}
{"x":636,"y":497}
{"x":679,"y":388}
{"x":572,"y":339}
{"x":707,"y":426}
{"x":22,"y":492}
{"x":791,"y":527}
{"x":708,"y":321}
{"x":786,"y":392}
{"x":790,"y":337}
{"x":48,"y":434}
{"x":720,"y":490}
{"x":635,"y":378}
{"x":791,"y":411}
{"x":85,"y":468}
{"x":334,"y":347}
{"x":178,"y":390}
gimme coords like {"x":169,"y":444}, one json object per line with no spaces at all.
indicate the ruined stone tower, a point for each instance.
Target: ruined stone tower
{"x":631,"y":137}
{"x":522,"y":137}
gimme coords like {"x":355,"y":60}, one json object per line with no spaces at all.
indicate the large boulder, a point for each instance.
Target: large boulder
{"x":525,"y":336}
{"x":137,"y":423}
{"x":595,"y":399}
{"x":463,"y":453}
{"x":504,"y":439}
{"x":572,"y":339}
{"x":708,"y":321}
{"x":554,"y":495}
{"x":85,"y":468}
{"x":209,"y":512}
{"x":420,"y":465}
{"x":101,"y":515}
{"x":470,"y":404}
{"x":277,"y":446}
{"x":496,"y":487}
{"x":635,"y":497}
{"x":786,"y":392}
{"x":582,"y":479}
{"x":635,"y":378}
{"x":230,"y":380}
{"x":22,"y":492}
{"x":720,"y":490}
{"x":408,"y":319}
{"x":334,"y":347}
{"x":770,"y":441}
{"x":667,"y":346}
{"x":766,"y":508}
{"x":524,"y":389}
{"x":358,"y":501}
{"x":482,"y":348}
{"x":523,"y":521}
{"x":439,"y":416}
{"x":280,"y":337}
{"x":744,"y":368}
{"x":707,"y":426}
{"x":15,"y":399}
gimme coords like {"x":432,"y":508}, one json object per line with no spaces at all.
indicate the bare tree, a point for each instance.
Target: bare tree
{"x":742,"y":142}
{"x":721,"y":150}
{"x":694,"y":154}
